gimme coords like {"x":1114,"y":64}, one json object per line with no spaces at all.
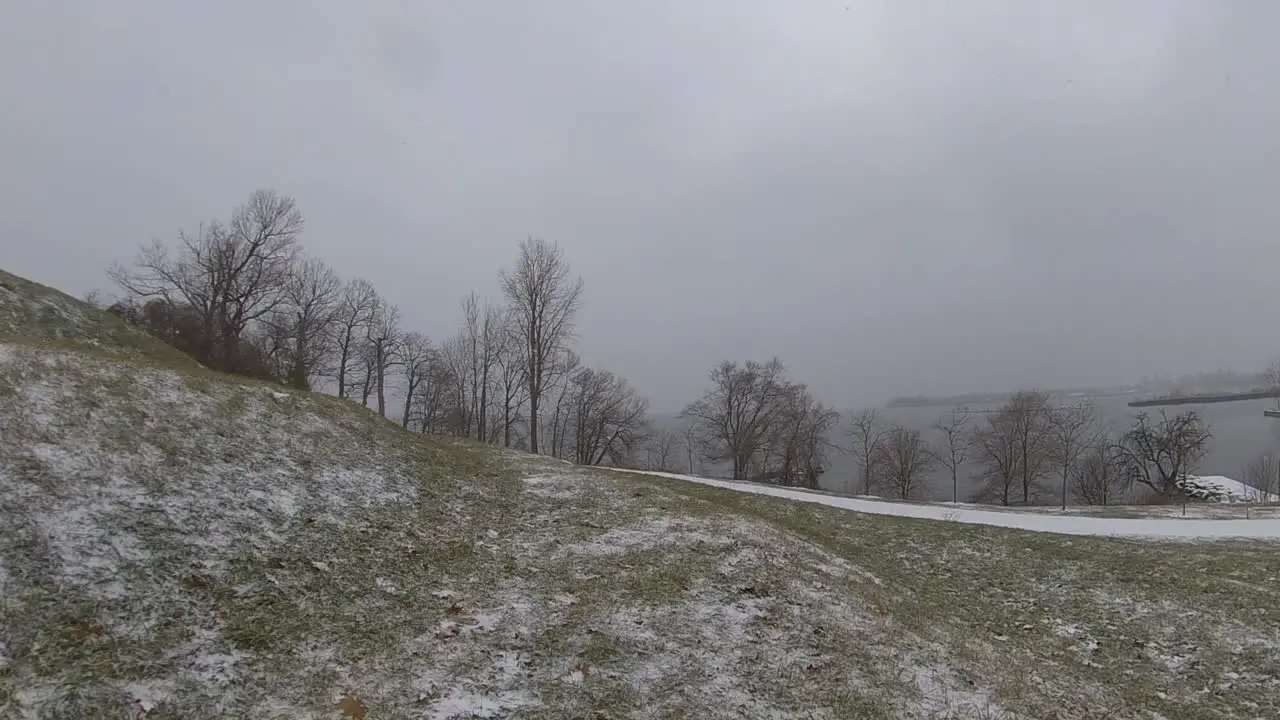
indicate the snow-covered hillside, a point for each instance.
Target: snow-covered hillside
{"x":180,"y":544}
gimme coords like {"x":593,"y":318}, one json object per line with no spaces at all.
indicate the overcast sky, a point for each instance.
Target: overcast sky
{"x":893,"y":197}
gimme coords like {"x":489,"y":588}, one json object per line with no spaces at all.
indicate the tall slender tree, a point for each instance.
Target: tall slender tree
{"x":545,"y":299}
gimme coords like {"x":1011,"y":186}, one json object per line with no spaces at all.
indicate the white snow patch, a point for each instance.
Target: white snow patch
{"x":1172,"y":528}
{"x":648,"y":534}
{"x":462,"y":704}
{"x":147,"y":695}
{"x":551,"y":486}
{"x":1233,"y":490}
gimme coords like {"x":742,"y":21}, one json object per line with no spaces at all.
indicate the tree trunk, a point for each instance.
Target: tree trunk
{"x":533,"y":422}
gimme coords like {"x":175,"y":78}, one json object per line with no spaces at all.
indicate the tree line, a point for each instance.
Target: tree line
{"x":761,"y":426}
{"x":241,"y":296}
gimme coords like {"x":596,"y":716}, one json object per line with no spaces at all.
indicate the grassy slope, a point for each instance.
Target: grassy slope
{"x":188,"y":545}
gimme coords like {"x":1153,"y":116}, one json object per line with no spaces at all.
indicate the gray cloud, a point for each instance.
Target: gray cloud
{"x":893,"y":197}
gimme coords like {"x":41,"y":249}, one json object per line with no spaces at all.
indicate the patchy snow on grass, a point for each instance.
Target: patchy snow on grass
{"x":180,"y":545}
{"x":1169,"y":528}
{"x":648,"y":534}
{"x":556,"y":487}
{"x":133,"y":492}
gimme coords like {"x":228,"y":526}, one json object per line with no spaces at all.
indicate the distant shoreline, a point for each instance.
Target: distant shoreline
{"x":922,"y":401}
{"x":1204,"y":398}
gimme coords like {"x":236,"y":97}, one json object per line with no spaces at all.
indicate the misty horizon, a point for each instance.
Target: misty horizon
{"x":981,"y":198}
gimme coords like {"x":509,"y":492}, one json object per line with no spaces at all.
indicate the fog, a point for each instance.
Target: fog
{"x":892,"y":197}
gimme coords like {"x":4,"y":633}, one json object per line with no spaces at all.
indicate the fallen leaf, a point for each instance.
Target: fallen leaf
{"x":350,"y":706}
{"x":195,"y":581}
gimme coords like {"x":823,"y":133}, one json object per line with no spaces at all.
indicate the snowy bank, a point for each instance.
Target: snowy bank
{"x":1187,"y":528}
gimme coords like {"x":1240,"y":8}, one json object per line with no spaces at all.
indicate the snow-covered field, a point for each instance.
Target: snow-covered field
{"x":1037,"y":521}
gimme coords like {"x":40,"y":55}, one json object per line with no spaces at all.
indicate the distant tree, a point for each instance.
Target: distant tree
{"x":690,"y":439}
{"x":953,"y":450}
{"x":608,"y":420}
{"x":415,"y":355}
{"x":801,"y":437}
{"x":97,"y":298}
{"x":1100,"y":476}
{"x":482,"y":330}
{"x":1072,"y":430}
{"x":994,"y":443}
{"x":383,"y":350}
{"x":1030,"y":416}
{"x":545,"y":299}
{"x":456,"y":361}
{"x":304,"y":321}
{"x":868,"y":434}
{"x":433,"y":404}
{"x":734,"y":418}
{"x":905,"y":459}
{"x":660,"y":451}
{"x":1271,"y":376}
{"x":559,"y":385}
{"x":354,"y":316}
{"x":1262,"y":475}
{"x":511,"y":367}
{"x":1161,"y":453}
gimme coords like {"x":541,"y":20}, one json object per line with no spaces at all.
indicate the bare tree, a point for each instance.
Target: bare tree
{"x":607,"y":418}
{"x":660,"y":451}
{"x":305,"y":319}
{"x":259,"y":258}
{"x":357,"y":308}
{"x":1161,"y":454}
{"x":559,"y":384}
{"x":415,"y":355}
{"x":906,"y":459}
{"x":455,"y":358}
{"x":994,"y":444}
{"x":1033,"y":438}
{"x":545,"y":299}
{"x":690,"y":438}
{"x":383,"y":350}
{"x":867,"y":433}
{"x":801,"y":439}
{"x":1262,"y":475}
{"x":1073,"y":429}
{"x":433,"y":405}
{"x":1271,"y":376}
{"x":1100,"y":476}
{"x":954,"y":450}
{"x":511,"y":367}
{"x":97,"y":299}
{"x":734,"y":417}
{"x":482,"y":330}
{"x":226,"y":276}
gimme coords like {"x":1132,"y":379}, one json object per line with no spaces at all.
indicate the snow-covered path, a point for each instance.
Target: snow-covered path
{"x":1175,"y":528}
